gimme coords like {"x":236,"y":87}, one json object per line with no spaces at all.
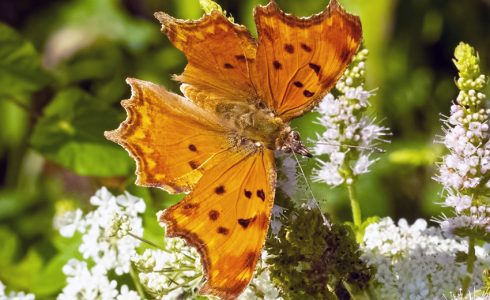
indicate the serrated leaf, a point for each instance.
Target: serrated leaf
{"x":20,"y":67}
{"x":71,"y":134}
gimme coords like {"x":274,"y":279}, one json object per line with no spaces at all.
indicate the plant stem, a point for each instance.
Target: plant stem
{"x":356,"y":211}
{"x":144,"y":240}
{"x":470,"y":264}
{"x":137,"y":283}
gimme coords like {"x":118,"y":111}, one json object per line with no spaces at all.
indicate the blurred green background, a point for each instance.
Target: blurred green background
{"x":62,"y":70}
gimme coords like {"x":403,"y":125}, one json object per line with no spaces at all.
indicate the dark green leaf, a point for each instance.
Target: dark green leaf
{"x":20,"y":68}
{"x":71,"y":134}
{"x":8,"y":246}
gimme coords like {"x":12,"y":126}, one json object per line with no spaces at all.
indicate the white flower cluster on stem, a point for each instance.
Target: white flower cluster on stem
{"x":350,"y":136}
{"x":173,"y":272}
{"x":417,"y":262}
{"x":106,"y":246}
{"x":464,"y":172}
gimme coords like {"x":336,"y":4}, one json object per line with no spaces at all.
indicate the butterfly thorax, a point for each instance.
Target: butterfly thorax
{"x":260,"y":125}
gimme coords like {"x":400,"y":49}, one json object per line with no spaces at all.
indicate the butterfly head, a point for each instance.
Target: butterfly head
{"x":291,"y":142}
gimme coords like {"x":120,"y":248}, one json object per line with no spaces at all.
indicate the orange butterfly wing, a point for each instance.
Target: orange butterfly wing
{"x":220,"y":58}
{"x":300,"y":59}
{"x":171,"y":139}
{"x":226,"y":217}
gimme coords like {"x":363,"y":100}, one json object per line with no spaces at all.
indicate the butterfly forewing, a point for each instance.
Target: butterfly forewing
{"x":300,"y":59}
{"x":226,"y":218}
{"x":220,"y":56}
{"x":168,"y":136}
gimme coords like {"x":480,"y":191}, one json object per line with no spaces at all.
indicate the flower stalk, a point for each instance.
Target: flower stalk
{"x":356,"y":211}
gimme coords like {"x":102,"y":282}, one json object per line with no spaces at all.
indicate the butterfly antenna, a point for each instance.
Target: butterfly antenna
{"x":325,"y":221}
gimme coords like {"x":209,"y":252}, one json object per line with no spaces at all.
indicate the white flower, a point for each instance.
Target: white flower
{"x":350,"y":137}
{"x":362,"y":165}
{"x":416,"y":262}
{"x":104,"y":240}
{"x":127,"y":294}
{"x":105,"y":244}
{"x":83,"y":283}
{"x":163,"y":272}
{"x":329,"y":173}
{"x":459,"y":203}
{"x":288,"y":181}
{"x":14,"y":295}
{"x":69,"y":222}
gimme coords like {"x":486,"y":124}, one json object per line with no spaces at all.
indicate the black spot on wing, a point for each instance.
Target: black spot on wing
{"x":308,"y":93}
{"x":248,"y":194}
{"x":306,"y":47}
{"x":246,"y":222}
{"x":192,"y":147}
{"x":315,"y":68}
{"x":223,"y":230}
{"x":298,"y":84}
{"x":219,"y":190}
{"x":289,"y":48}
{"x":277,"y":65}
{"x":261,"y":194}
{"x":194,"y":165}
{"x":228,"y":66}
{"x":213,"y":215}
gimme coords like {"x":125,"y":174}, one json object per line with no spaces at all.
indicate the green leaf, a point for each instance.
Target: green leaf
{"x":416,"y":155}
{"x":13,"y":202}
{"x":8,"y":246}
{"x":71,"y":134}
{"x":20,"y":67}
{"x":51,"y":279}
{"x":22,"y":275}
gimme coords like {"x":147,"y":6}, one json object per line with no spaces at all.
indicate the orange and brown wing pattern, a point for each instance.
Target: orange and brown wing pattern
{"x":171,"y":138}
{"x":220,"y":57}
{"x":300,"y":59}
{"x":226,"y":217}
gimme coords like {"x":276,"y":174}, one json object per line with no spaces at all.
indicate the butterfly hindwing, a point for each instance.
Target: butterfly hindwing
{"x":169,"y":137}
{"x":300,"y":59}
{"x":220,"y":56}
{"x":226,"y":217}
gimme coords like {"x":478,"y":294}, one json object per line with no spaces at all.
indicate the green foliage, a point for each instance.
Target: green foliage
{"x":71,"y":134}
{"x":20,"y":66}
{"x":88,"y":48}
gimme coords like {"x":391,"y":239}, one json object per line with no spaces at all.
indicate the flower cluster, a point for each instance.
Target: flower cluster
{"x":173,"y":272}
{"x":464,"y":172}
{"x":106,"y":246}
{"x":309,"y":260}
{"x":417,"y":262}
{"x":351,"y":136}
{"x":14,"y":295}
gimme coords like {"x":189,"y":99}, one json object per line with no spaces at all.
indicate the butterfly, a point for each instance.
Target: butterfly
{"x":217,"y":142}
